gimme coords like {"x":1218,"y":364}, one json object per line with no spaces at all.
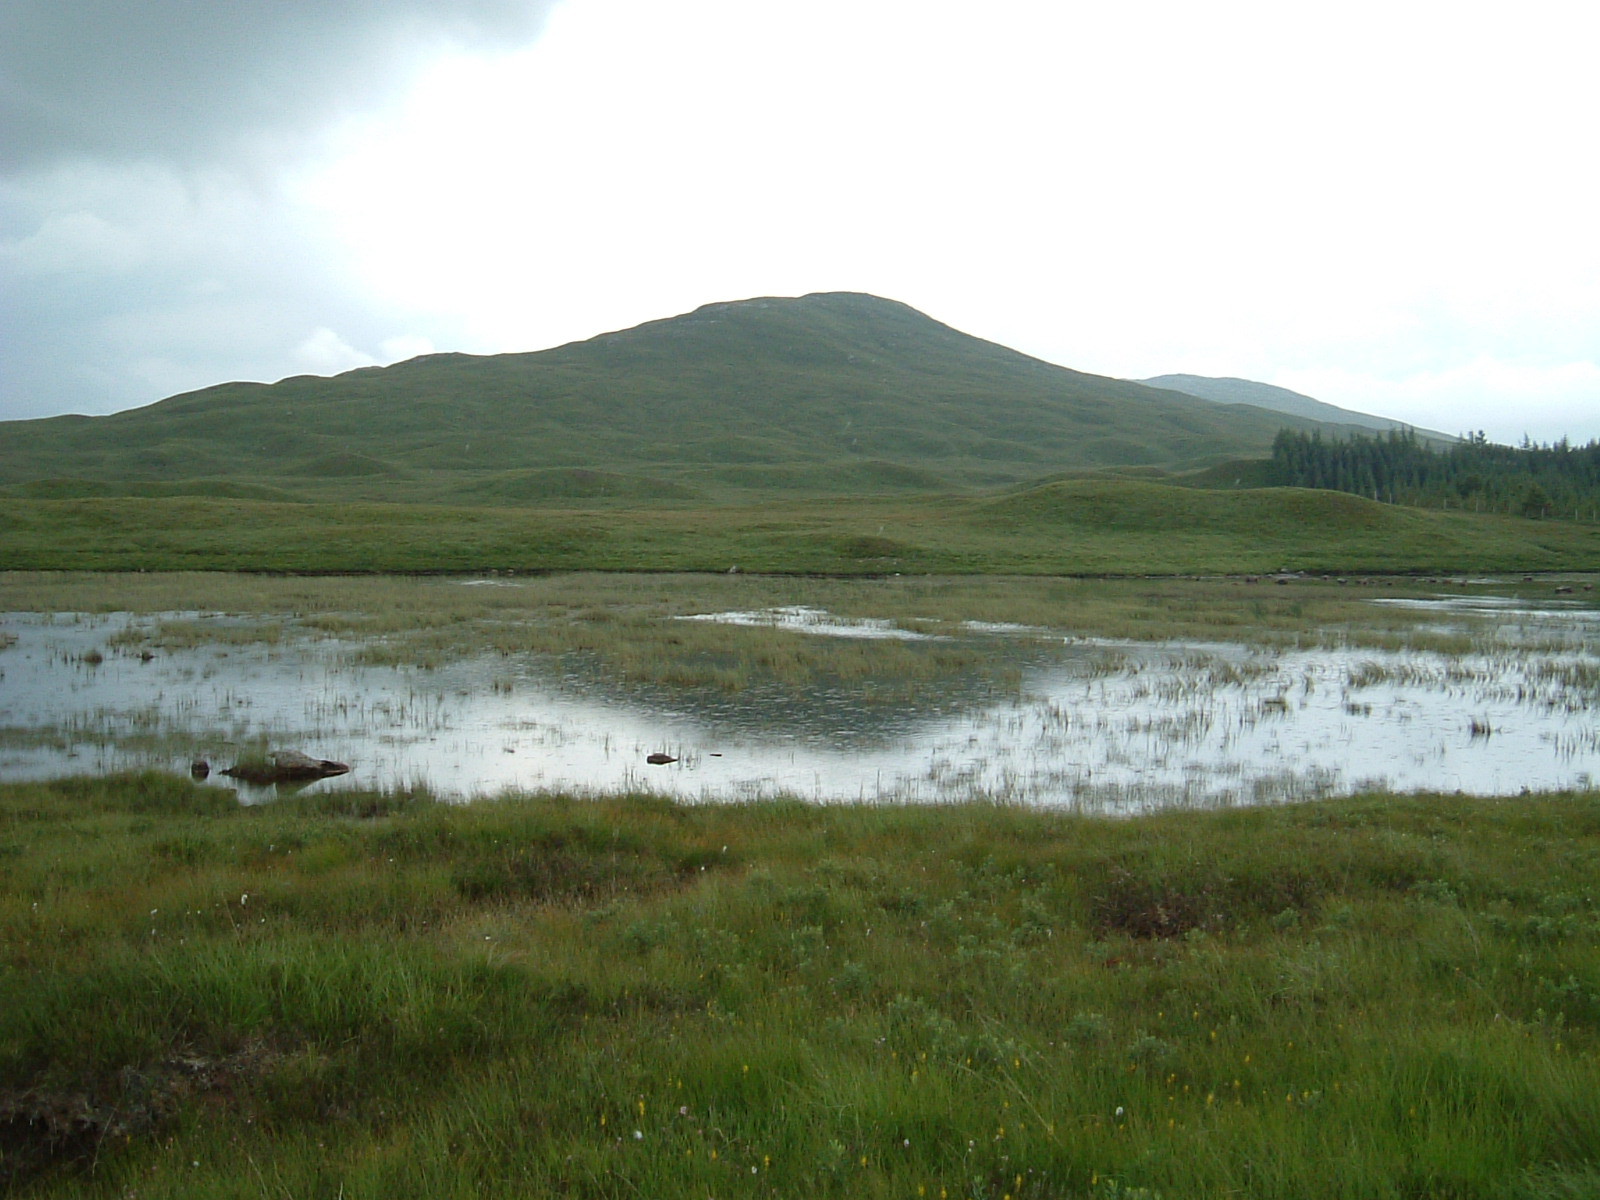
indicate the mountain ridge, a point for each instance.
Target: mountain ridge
{"x":1228,"y":389}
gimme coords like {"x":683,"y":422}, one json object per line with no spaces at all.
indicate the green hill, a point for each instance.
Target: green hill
{"x":831,"y":393}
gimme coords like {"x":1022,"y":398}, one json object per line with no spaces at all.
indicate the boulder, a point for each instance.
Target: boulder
{"x":285,"y":766}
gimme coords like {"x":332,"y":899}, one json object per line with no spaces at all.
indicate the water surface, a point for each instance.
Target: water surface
{"x":1098,"y":724}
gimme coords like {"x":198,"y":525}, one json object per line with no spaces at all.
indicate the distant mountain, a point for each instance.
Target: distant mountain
{"x":1264,"y":395}
{"x":831,"y":393}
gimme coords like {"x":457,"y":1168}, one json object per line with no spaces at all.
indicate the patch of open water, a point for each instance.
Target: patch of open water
{"x":1098,"y":724}
{"x":798,"y":618}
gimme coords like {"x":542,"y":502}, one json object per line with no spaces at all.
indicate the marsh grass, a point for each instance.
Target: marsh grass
{"x":626,"y":616}
{"x":615,"y":632}
{"x":379,"y":995}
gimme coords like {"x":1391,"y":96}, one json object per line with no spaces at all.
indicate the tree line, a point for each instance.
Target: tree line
{"x":1530,"y":480}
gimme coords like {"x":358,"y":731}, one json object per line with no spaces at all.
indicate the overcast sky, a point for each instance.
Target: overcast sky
{"x":1388,"y":206}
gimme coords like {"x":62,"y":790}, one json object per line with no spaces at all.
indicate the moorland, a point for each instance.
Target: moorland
{"x":1079,"y":527}
{"x":833,"y":433}
{"x":383,"y":993}
{"x":380,"y":993}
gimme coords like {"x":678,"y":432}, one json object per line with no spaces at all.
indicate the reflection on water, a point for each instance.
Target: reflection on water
{"x":1548,"y":611}
{"x":798,"y":618}
{"x":1098,"y":724}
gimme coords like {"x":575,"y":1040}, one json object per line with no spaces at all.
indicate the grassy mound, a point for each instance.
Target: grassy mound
{"x":1130,"y":505}
{"x":87,"y":489}
{"x":341,"y":464}
{"x":568,"y":483}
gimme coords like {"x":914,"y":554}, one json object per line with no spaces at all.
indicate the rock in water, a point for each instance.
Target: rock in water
{"x":285,"y":766}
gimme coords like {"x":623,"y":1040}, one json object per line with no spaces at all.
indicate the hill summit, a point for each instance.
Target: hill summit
{"x":833,"y":392}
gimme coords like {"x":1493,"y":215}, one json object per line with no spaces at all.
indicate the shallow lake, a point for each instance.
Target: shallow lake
{"x":1099,"y":724}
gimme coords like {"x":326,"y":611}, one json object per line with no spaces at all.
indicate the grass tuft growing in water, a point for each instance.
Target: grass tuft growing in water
{"x":623,"y":625}
{"x":375,"y":994}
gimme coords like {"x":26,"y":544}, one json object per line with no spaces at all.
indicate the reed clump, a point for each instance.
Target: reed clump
{"x":383,"y":995}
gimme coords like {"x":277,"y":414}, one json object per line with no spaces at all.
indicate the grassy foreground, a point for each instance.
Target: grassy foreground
{"x":380,"y":996}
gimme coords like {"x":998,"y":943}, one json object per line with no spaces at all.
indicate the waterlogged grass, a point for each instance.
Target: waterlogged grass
{"x":426,"y":617}
{"x":376,"y":995}
{"x":622,"y":627}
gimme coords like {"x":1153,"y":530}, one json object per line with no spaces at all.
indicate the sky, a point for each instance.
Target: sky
{"x":1387,"y":206}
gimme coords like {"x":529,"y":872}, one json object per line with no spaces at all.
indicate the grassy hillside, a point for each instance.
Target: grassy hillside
{"x":378,"y":996}
{"x":834,"y":393}
{"x":1072,"y":527}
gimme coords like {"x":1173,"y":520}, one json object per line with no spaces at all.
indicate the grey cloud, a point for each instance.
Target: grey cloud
{"x":144,"y":246}
{"x":139,"y":282}
{"x":188,"y":81}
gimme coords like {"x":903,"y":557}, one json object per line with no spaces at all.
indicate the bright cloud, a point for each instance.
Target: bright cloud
{"x":326,"y":353}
